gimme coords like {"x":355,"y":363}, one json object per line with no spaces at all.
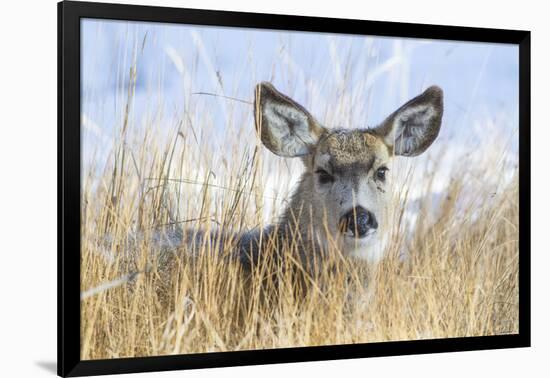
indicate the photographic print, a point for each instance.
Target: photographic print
{"x":244,"y":189}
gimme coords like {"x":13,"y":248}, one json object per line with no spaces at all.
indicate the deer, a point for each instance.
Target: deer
{"x":342,"y":199}
{"x":343,"y":195}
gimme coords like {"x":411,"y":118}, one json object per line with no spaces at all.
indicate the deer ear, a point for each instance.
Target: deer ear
{"x":284,"y":126}
{"x":412,"y":128}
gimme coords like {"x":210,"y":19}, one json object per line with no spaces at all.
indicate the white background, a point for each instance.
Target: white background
{"x":28,"y":157}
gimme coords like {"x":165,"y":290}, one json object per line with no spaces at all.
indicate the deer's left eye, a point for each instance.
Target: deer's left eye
{"x":381,"y":173}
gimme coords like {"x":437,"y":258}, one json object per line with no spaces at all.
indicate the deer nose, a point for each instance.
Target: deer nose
{"x":358,"y":222}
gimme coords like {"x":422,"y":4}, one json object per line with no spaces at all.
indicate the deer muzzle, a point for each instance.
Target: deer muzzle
{"x":358,"y":223}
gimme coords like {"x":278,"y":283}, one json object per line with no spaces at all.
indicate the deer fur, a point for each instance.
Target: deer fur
{"x":344,"y":170}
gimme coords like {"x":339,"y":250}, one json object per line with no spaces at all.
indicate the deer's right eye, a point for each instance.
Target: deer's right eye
{"x":324,"y":176}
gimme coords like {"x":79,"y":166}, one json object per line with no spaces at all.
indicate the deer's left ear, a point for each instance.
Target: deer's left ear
{"x":412,"y":128}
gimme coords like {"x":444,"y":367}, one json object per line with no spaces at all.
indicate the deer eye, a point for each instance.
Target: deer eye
{"x":324,"y":176}
{"x":381,"y":173}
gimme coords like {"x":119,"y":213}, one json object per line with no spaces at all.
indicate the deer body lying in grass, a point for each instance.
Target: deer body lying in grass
{"x":342,"y":199}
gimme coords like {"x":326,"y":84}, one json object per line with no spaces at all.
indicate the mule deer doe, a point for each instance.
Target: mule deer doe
{"x":342,"y":198}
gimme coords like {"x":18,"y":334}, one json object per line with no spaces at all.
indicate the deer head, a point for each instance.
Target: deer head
{"x":344,"y":188}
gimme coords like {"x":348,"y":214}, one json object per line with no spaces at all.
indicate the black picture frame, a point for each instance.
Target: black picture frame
{"x":69,"y":153}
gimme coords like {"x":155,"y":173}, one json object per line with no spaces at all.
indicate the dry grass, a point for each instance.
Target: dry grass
{"x":459,"y":276}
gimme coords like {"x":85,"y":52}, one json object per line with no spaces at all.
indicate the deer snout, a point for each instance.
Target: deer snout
{"x":358,"y":222}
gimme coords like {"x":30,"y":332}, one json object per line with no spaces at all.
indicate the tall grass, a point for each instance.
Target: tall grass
{"x":458,"y":276}
{"x":451,"y":268}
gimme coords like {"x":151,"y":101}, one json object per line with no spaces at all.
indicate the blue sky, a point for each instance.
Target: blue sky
{"x":480,"y":80}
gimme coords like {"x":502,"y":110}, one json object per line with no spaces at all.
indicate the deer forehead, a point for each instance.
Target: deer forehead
{"x":351,"y":150}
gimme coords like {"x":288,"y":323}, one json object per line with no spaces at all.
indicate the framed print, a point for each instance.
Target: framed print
{"x":239,"y":188}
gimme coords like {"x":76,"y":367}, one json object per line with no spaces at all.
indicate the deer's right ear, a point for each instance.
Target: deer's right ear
{"x":284,"y":126}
